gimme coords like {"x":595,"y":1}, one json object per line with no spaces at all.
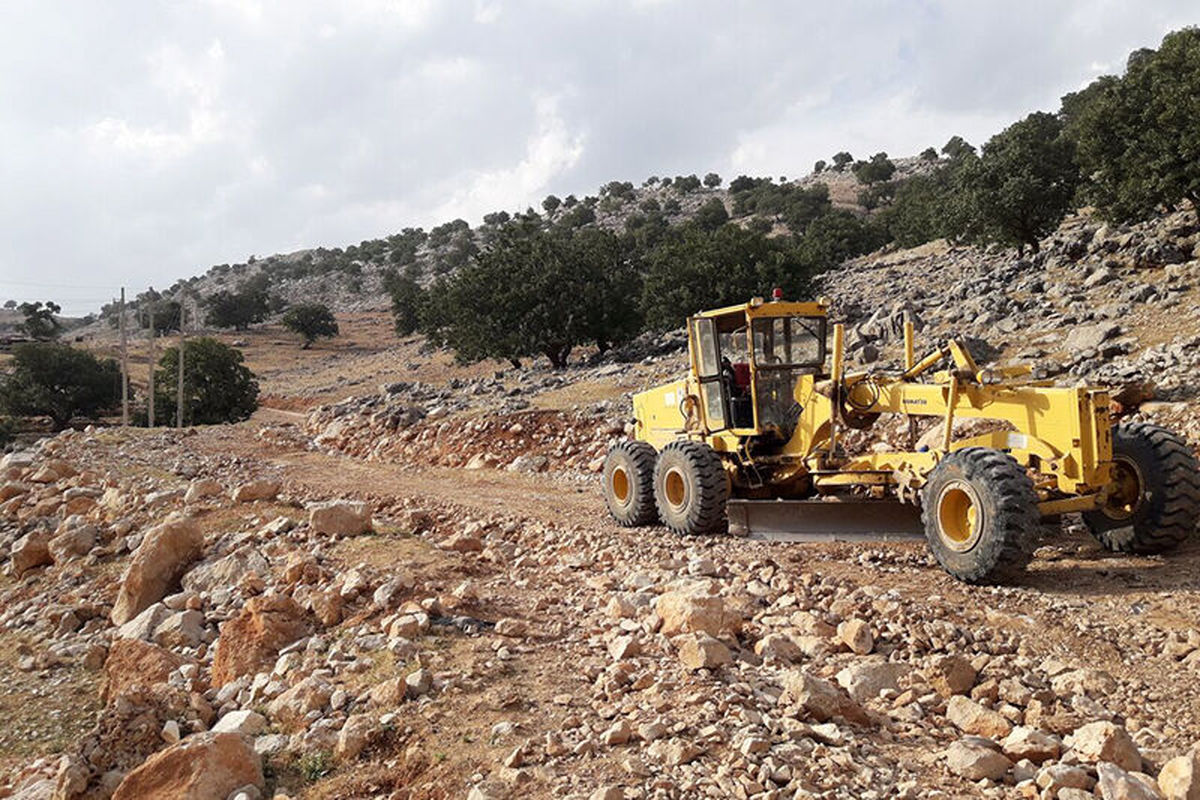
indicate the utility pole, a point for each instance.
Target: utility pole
{"x":124,"y":367}
{"x":150,"y":402}
{"x":182,"y":338}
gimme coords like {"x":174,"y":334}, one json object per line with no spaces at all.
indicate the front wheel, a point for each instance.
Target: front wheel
{"x":980,"y":514}
{"x":1155,"y":500}
{"x":691,"y":489}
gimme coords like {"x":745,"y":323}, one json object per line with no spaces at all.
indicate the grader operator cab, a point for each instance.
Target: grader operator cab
{"x":756,"y":435}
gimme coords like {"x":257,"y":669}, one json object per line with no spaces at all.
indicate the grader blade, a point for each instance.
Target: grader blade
{"x":821,"y":521}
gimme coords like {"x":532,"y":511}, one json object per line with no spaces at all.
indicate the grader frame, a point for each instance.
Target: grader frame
{"x":772,"y":425}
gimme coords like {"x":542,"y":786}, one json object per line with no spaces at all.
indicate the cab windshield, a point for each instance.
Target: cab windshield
{"x":789,"y":341}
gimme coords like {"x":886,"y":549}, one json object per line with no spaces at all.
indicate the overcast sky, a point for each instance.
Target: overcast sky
{"x":141,"y":142}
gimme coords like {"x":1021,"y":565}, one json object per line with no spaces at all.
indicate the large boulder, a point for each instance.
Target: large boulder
{"x":1180,"y":777}
{"x":864,"y":681}
{"x":1106,"y":741}
{"x":976,"y":759}
{"x":226,"y":571}
{"x":686,"y":612}
{"x":951,"y":675}
{"x":131,"y":662}
{"x":251,"y":641}
{"x":972,"y":718}
{"x":160,"y":561}
{"x":820,"y":700}
{"x":205,"y":766}
{"x":72,"y":543}
{"x":291,"y":707}
{"x":30,"y":551}
{"x":1117,"y":784}
{"x":339,"y":518}
{"x":264,"y":489}
{"x":701,"y":651}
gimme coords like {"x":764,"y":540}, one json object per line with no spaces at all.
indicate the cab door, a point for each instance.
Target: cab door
{"x":706,"y":363}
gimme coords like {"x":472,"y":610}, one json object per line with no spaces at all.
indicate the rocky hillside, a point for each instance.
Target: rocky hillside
{"x":350,"y":278}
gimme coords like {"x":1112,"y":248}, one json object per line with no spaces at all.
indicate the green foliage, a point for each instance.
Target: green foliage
{"x":40,"y":320}
{"x":838,"y":235}
{"x":1138,"y":136}
{"x":408,"y":298}
{"x":819,"y":166}
{"x":239,"y":309}
{"x":536,"y":292}
{"x":8,"y":430}
{"x":165,"y":313}
{"x":60,"y":382}
{"x":879,"y":168}
{"x":841,"y":161}
{"x":712,"y":214}
{"x":712,"y":180}
{"x":311,"y":321}
{"x":551,"y":204}
{"x":929,"y":154}
{"x":957,"y":148}
{"x":9,"y":305}
{"x":217,"y":386}
{"x":920,"y":209}
{"x":618,"y":190}
{"x":685,"y":184}
{"x":1023,"y":181}
{"x":694,"y":269}
{"x":315,"y":765}
{"x":795,"y":205}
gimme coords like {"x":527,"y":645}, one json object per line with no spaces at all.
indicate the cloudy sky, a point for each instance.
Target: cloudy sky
{"x":141,"y":142}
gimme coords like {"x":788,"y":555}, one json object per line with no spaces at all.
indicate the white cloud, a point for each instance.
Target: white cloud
{"x":549,"y":152}
{"x":213,"y":129}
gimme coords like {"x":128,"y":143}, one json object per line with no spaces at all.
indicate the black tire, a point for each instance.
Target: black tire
{"x":691,"y":489}
{"x":1158,"y":501}
{"x":629,"y":483}
{"x":980,"y":514}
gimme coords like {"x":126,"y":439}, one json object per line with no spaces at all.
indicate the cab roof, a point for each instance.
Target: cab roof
{"x":758,"y":307}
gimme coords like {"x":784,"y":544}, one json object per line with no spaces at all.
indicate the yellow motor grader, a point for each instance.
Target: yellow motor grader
{"x":756,"y":436}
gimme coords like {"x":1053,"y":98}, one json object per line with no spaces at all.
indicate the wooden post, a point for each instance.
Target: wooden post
{"x":150,"y":402}
{"x":179,"y":389}
{"x":124,"y":366}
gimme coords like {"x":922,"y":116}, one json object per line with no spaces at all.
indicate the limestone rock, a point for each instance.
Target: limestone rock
{"x":864,"y":681}
{"x":354,"y":736}
{"x":1030,"y":743}
{"x":250,"y":641}
{"x":1105,"y":741}
{"x":856,"y":634}
{"x":950,"y":675}
{"x":202,"y":488}
{"x":226,"y":571}
{"x":131,"y":661}
{"x":159,"y":562}
{"x":972,"y":718}
{"x":1180,"y":777}
{"x":30,"y":551}
{"x":204,"y":766}
{"x":290,"y":707}
{"x":976,"y":759}
{"x":72,"y":543}
{"x":683,"y":612}
{"x":244,"y":721}
{"x":264,"y":489}
{"x":819,"y":699}
{"x":701,"y":651}
{"x":340,"y":518}
{"x":1118,"y":784}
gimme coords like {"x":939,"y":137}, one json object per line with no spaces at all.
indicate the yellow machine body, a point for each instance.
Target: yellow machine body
{"x":763,"y":392}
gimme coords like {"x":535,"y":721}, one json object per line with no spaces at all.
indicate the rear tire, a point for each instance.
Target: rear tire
{"x":980,"y":514}
{"x":1159,"y":503}
{"x":691,"y":489}
{"x":629,"y":483}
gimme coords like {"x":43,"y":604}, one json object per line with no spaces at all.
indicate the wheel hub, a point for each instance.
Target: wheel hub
{"x":675,"y":488}
{"x":958,"y":516}
{"x":1126,"y":494}
{"x":620,"y":485}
